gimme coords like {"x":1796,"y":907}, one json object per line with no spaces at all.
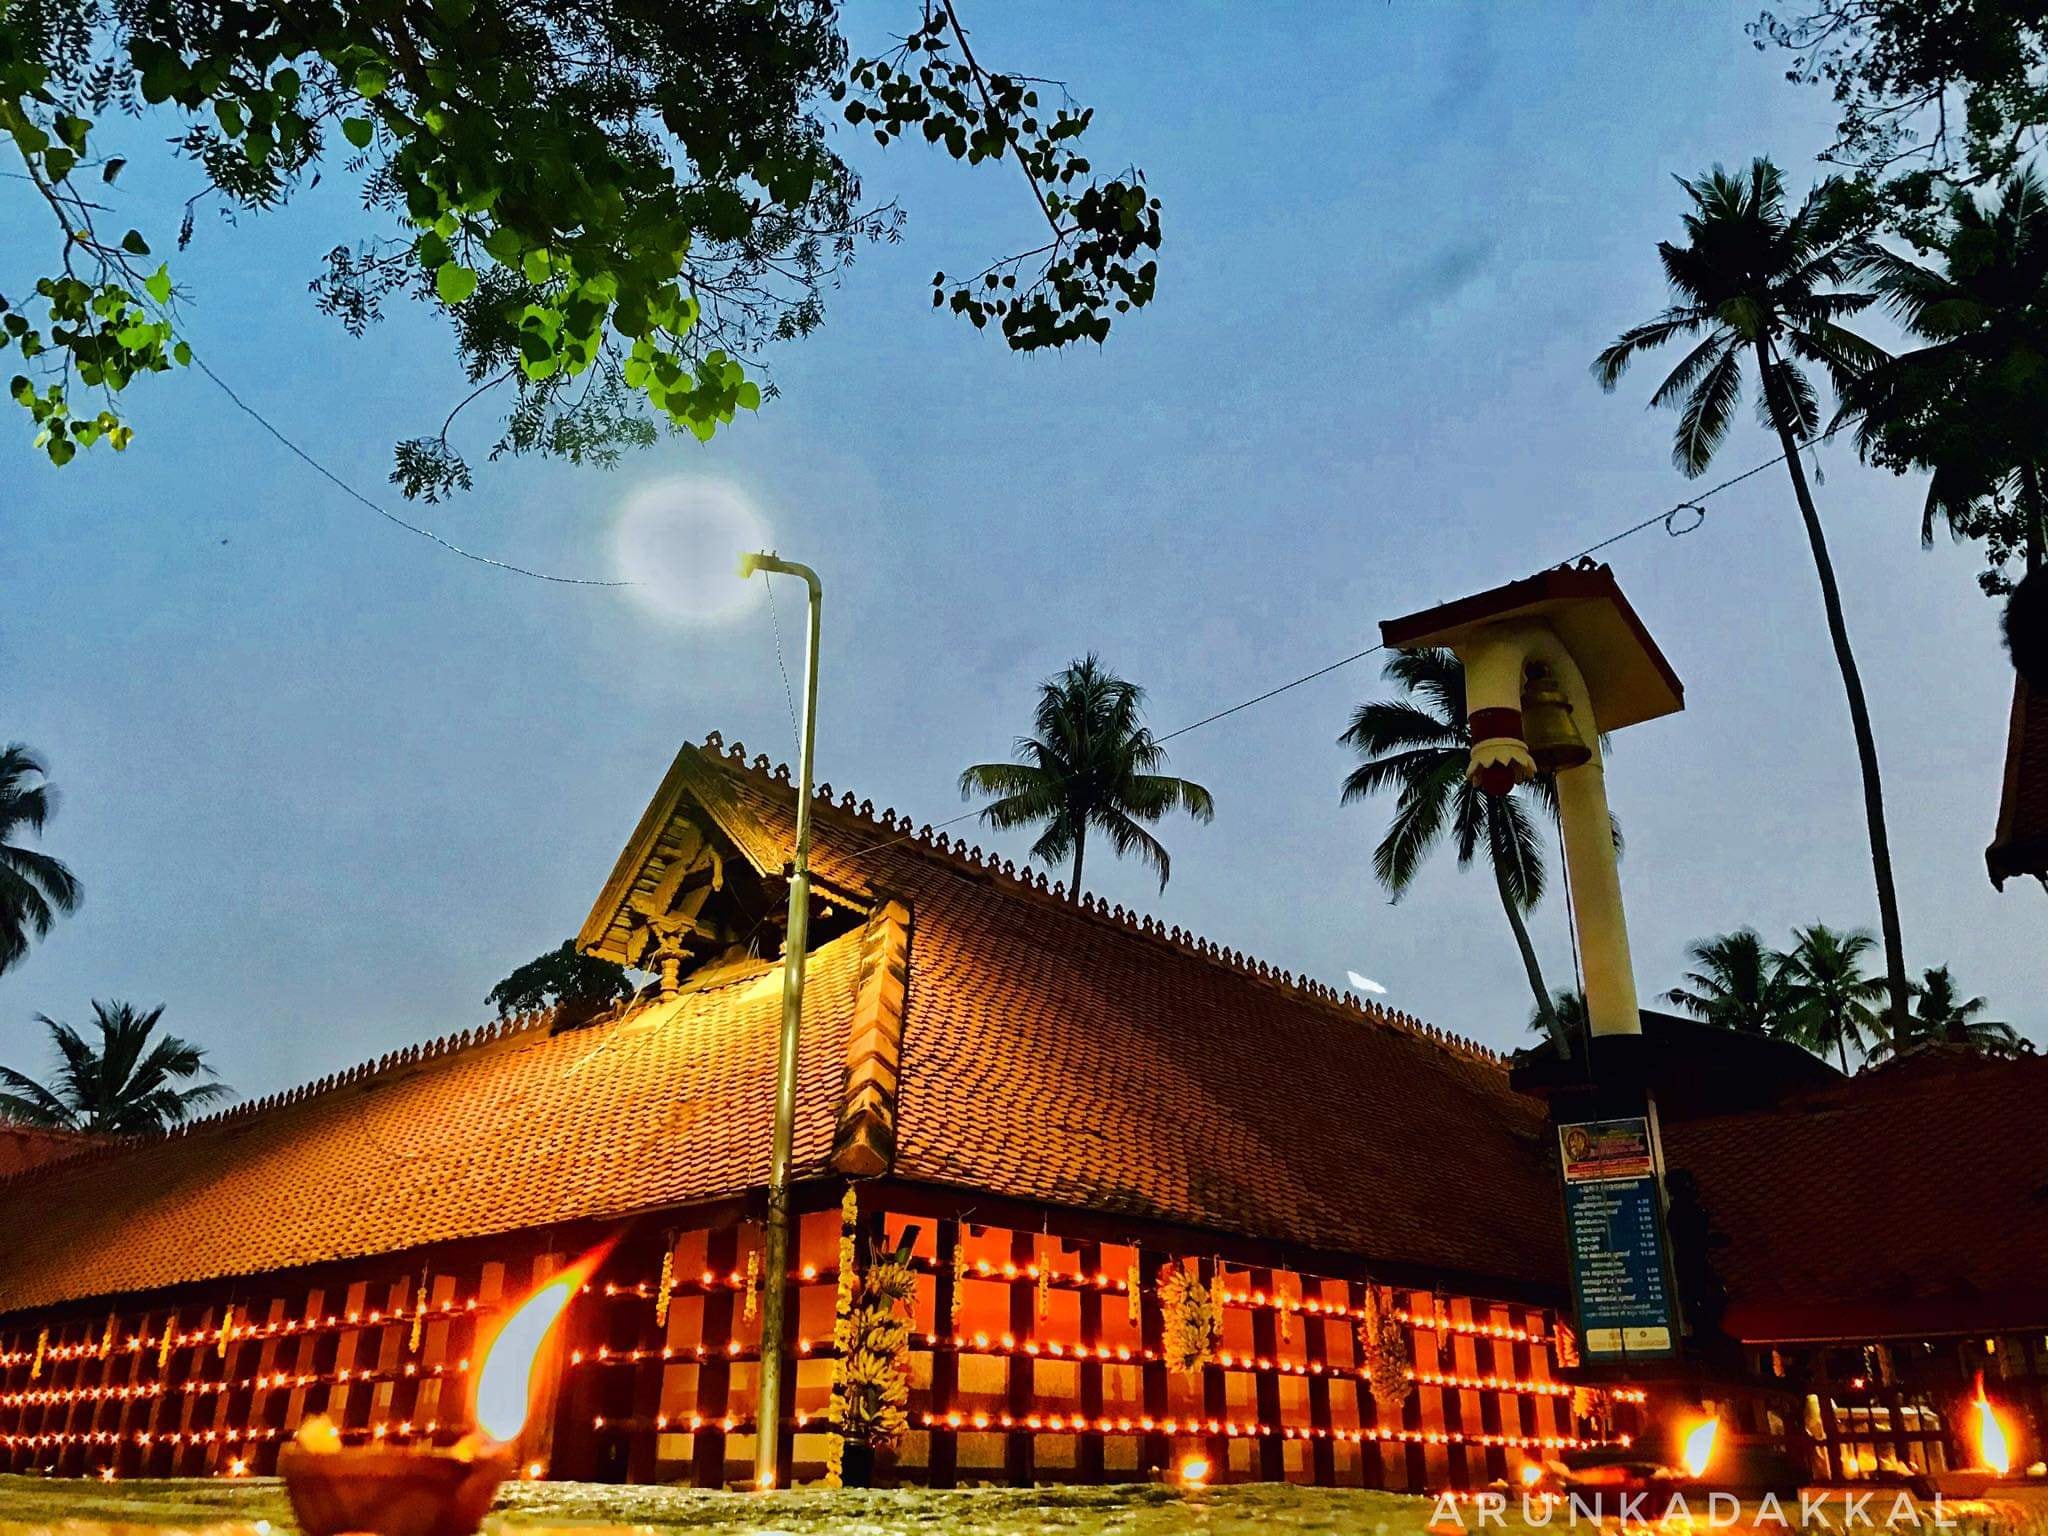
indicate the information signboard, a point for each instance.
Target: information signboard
{"x":1619,"y":1277}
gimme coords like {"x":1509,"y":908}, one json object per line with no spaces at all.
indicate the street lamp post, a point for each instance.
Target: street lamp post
{"x":768,"y":1418}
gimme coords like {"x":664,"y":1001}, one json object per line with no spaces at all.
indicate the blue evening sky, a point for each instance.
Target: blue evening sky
{"x":325,"y":783}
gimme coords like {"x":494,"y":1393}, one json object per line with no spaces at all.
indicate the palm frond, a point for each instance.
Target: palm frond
{"x":1707,"y":413}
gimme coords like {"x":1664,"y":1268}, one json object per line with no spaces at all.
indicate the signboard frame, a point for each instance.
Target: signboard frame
{"x":1622,"y":1290}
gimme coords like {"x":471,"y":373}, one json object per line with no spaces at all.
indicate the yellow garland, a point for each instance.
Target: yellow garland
{"x":163,"y":1348}
{"x":1192,"y":1322}
{"x":1567,"y":1345}
{"x":35,"y":1368}
{"x":752,"y":1303}
{"x":1383,"y":1350}
{"x":107,"y":1338}
{"x":1134,"y":1296}
{"x":227,"y":1331}
{"x":1044,"y":1294}
{"x":419,"y":1314}
{"x":842,"y":1333}
{"x":1286,"y":1316}
{"x":959,"y":1277}
{"x":668,"y":1282}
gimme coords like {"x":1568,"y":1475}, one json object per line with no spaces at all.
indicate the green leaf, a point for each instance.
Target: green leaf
{"x":112,"y":168}
{"x":134,"y":244}
{"x":57,"y":162}
{"x":372,"y":80}
{"x":748,"y":396}
{"x":536,"y":266}
{"x":454,"y":282}
{"x":183,"y":353}
{"x":159,"y":285}
{"x":358,"y":131}
{"x":286,"y":84}
{"x":230,"y":115}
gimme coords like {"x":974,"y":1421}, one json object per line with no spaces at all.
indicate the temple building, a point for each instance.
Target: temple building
{"x":1060,"y":1099}
{"x":1165,"y":1203}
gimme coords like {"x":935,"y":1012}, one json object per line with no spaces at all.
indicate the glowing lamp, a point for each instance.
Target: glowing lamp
{"x":1193,"y":1471}
{"x":1699,"y":1447}
{"x":1994,"y":1449}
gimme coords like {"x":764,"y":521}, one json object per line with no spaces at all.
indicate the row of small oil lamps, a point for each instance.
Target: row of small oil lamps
{"x":1081,"y":1424}
{"x":1102,"y":1280}
{"x":1119,"y":1354}
{"x":709,"y":1280}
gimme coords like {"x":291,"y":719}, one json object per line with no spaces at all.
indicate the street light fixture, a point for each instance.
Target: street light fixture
{"x":768,"y":1418}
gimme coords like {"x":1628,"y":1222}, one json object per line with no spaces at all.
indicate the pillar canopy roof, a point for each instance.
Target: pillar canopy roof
{"x":1627,"y":677}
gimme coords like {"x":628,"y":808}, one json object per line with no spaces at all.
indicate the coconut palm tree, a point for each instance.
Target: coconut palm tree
{"x":1940,"y":1017}
{"x":1968,"y":405}
{"x":1755,"y":284}
{"x":34,"y":887}
{"x":1419,"y":746}
{"x":1563,"y":1023}
{"x":1830,"y":997}
{"x":1736,"y":983}
{"x":1092,"y":765}
{"x":126,"y":1084}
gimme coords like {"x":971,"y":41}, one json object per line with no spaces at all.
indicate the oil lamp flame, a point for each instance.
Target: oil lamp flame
{"x":1194,"y":1471}
{"x":1699,"y":1446}
{"x":505,"y":1385}
{"x":1992,"y":1447}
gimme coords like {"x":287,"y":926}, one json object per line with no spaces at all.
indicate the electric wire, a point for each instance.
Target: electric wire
{"x":1669,"y":518}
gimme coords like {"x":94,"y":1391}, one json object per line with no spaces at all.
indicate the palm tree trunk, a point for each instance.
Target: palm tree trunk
{"x":1543,"y":1004}
{"x":1859,"y":709}
{"x":1080,"y":852}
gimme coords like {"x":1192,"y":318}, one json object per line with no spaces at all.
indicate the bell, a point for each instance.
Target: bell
{"x":1554,"y":741}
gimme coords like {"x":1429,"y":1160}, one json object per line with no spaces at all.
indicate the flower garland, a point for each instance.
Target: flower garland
{"x":666,"y":1288}
{"x":163,"y":1348}
{"x":1044,"y":1294}
{"x":751,"y":1302}
{"x":959,"y":1279}
{"x":1383,"y":1351}
{"x":1134,"y":1296}
{"x":1193,"y":1323}
{"x":225,"y":1332}
{"x":842,"y":1332}
{"x":35,"y":1369}
{"x":107,"y":1338}
{"x":871,"y":1378}
{"x":419,"y":1315}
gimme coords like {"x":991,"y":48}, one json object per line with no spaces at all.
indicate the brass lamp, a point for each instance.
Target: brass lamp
{"x":1547,"y":725}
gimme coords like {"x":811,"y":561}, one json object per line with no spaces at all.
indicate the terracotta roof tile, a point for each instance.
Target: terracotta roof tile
{"x":1091,"y":1058}
{"x":1901,"y":1201}
{"x":518,"y":1128}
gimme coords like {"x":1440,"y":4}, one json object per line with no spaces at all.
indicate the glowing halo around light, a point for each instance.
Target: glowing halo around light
{"x":505,"y":1385}
{"x":679,"y":540}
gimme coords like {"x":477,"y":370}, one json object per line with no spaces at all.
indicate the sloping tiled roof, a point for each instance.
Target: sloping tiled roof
{"x":28,"y":1146}
{"x":1050,"y":1053}
{"x":512,"y":1127}
{"x":2020,"y":845}
{"x":1091,"y":1057}
{"x":1909,"y":1200}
